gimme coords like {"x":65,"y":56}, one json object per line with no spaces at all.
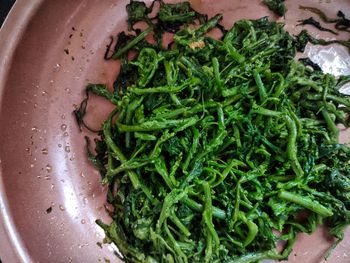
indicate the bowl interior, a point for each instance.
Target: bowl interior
{"x":51,"y":195}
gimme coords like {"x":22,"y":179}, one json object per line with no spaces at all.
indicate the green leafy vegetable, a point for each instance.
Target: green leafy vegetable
{"x":304,"y":37}
{"x":277,"y":6}
{"x":316,"y":24}
{"x":341,"y":23}
{"x":215,"y":143}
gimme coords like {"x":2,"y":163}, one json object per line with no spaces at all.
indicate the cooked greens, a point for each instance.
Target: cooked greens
{"x":341,"y":23}
{"x":277,"y":6}
{"x":311,"y":21}
{"x":215,"y":145}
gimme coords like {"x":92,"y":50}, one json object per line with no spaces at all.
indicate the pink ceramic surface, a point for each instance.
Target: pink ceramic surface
{"x":43,"y":162}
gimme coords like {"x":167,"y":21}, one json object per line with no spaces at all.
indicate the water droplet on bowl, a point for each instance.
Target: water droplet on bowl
{"x":48,"y":168}
{"x":44,"y":151}
{"x":67,"y":149}
{"x":34,"y":128}
{"x":63,"y":127}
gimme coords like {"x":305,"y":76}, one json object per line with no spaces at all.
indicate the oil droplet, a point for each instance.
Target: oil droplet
{"x":52,"y":186}
{"x":65,"y":134}
{"x":63,"y":127}
{"x":67,"y":90}
{"x":43,"y":93}
{"x":59,"y":145}
{"x":48,"y":168}
{"x":83,"y":221}
{"x":67,"y":149}
{"x":35,"y":105}
{"x":83,"y":245}
{"x":63,"y":116}
{"x":82,"y":174}
{"x":34,"y":128}
{"x":31,"y":165}
{"x":47,"y":177}
{"x":61,"y":207}
{"x":44,"y":151}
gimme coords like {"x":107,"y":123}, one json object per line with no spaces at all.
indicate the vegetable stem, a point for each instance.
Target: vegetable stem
{"x":306,"y":202}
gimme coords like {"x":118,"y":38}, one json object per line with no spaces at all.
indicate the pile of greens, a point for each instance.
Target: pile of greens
{"x":218,"y":148}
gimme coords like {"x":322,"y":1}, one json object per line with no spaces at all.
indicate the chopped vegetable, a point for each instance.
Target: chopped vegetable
{"x":311,"y":21}
{"x":216,"y":144}
{"x":276,"y":6}
{"x":341,"y":23}
{"x":304,"y":37}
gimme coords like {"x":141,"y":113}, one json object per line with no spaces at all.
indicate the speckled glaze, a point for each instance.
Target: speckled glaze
{"x":50,"y":195}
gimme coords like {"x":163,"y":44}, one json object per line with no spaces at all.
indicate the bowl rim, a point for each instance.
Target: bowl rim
{"x":12,"y":248}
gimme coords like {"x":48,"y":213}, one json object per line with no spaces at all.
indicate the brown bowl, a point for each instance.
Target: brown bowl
{"x":50,"y":195}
